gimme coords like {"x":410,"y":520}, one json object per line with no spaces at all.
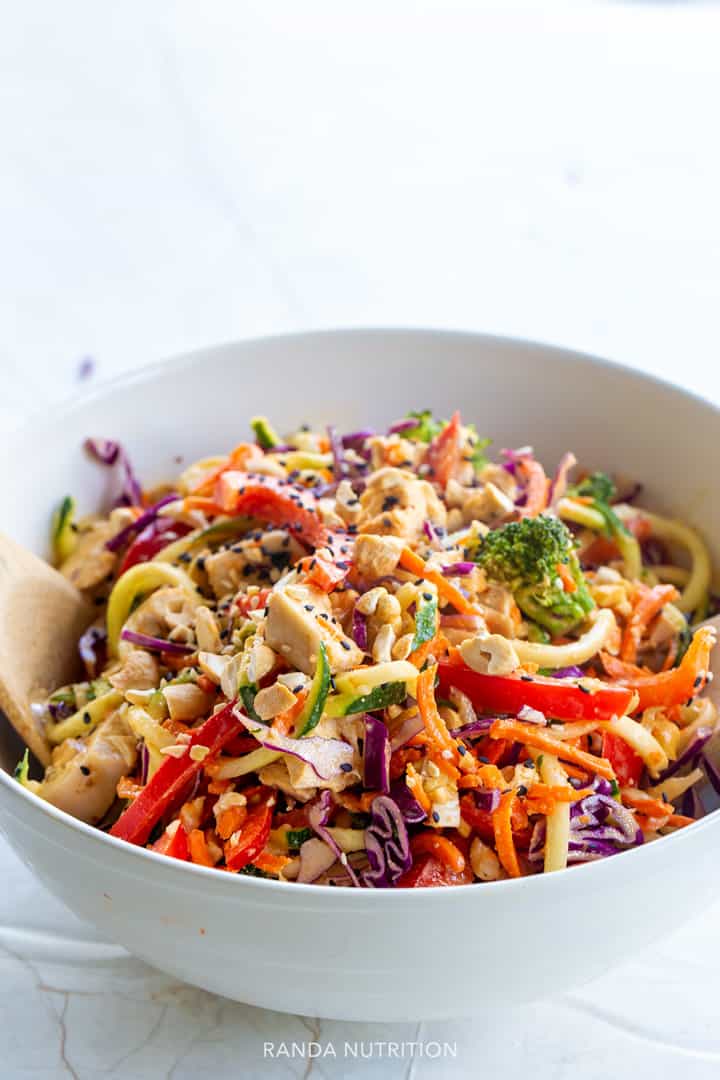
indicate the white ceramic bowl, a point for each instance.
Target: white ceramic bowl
{"x":369,"y":955}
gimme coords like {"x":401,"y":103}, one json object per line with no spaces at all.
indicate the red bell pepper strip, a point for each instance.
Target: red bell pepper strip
{"x":173,"y":842}
{"x":443,"y":453}
{"x":153,"y":538}
{"x":627,"y":765}
{"x":674,"y":687}
{"x":508,"y":693}
{"x":244,"y":846}
{"x":276,"y":501}
{"x":171,"y":781}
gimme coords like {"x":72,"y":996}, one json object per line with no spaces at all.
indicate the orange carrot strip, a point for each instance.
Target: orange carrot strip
{"x":415,"y":565}
{"x":535,"y":736}
{"x":285,"y":721}
{"x":435,"y":726}
{"x":502,"y":827}
{"x":237,"y":459}
{"x":269,"y":863}
{"x":646,"y":804}
{"x":437,"y":646}
{"x":439,"y":846}
{"x":230,"y":820}
{"x":417,"y":790}
{"x":679,"y":821}
{"x":202,"y":502}
{"x":649,"y":603}
{"x":569,"y":582}
{"x":198,"y":848}
{"x":558,"y":793}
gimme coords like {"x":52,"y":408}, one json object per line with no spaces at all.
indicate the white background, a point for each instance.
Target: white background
{"x":176,"y":174}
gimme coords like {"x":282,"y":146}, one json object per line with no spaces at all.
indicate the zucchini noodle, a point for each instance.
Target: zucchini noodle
{"x":558,"y":820}
{"x":695,"y":592}
{"x":576,"y":652}
{"x":577,"y":512}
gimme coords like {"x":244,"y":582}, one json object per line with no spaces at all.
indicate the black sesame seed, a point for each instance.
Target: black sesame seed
{"x":435,"y":816}
{"x":462,"y":751}
{"x":308,"y":607}
{"x":526,"y":678}
{"x":529,"y":763}
{"x":84,"y":770}
{"x":485,"y":760}
{"x":87,"y":718}
{"x":698,"y":681}
{"x":185,"y":557}
{"x":346,"y":767}
{"x":427,"y":596}
{"x":583,"y":689}
{"x":345,"y":645}
{"x":200,"y":563}
{"x":522,"y":791}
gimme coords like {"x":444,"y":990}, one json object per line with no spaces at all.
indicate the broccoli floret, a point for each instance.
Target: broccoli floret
{"x":600,"y":488}
{"x":524,"y":556}
{"x":427,"y":426}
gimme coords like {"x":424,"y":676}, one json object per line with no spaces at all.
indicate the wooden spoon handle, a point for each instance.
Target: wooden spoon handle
{"x":41,"y":618}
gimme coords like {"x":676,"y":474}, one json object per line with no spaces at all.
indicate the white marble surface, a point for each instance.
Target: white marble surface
{"x":175,"y":174}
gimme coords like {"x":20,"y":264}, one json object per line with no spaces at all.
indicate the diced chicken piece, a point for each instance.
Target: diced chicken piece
{"x":377,"y":556}
{"x":303,"y":777}
{"x":299,"y":618}
{"x":501,"y":478}
{"x":91,"y":562}
{"x":490,"y":654}
{"x":394,"y":450}
{"x":253,"y":561}
{"x":499,"y":609}
{"x":487,"y":504}
{"x":395,"y":502}
{"x":347,"y":503}
{"x":139,"y":671}
{"x":84,"y":772}
{"x":207,"y":630}
{"x":273,"y":700}
{"x":165,"y":610}
{"x":186,"y":701}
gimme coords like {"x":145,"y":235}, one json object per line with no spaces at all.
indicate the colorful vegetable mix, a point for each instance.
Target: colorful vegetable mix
{"x":382,"y":661}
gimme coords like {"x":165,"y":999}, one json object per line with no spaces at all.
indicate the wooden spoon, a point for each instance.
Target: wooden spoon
{"x":41,"y":618}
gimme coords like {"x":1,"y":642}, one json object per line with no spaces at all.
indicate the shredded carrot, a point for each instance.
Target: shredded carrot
{"x":205,"y":683}
{"x":358,"y":804}
{"x":540,"y":739}
{"x":198,"y":848}
{"x":415,"y":565}
{"x":417,"y":790}
{"x":679,"y":821}
{"x":435,"y":647}
{"x":269,"y":863}
{"x":444,"y":765}
{"x":202,"y":502}
{"x":237,"y":459}
{"x":230,"y":820}
{"x":569,"y":582}
{"x":127,"y":788}
{"x":435,"y":726}
{"x":439,"y":846}
{"x":646,"y":804}
{"x":558,"y":792}
{"x":649,"y":603}
{"x":504,"y":842}
{"x":284,"y":721}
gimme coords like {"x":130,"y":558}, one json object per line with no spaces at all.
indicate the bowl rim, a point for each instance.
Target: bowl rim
{"x":67,"y":405}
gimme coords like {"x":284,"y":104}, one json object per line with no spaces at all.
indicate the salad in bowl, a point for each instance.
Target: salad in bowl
{"x":382,"y":660}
